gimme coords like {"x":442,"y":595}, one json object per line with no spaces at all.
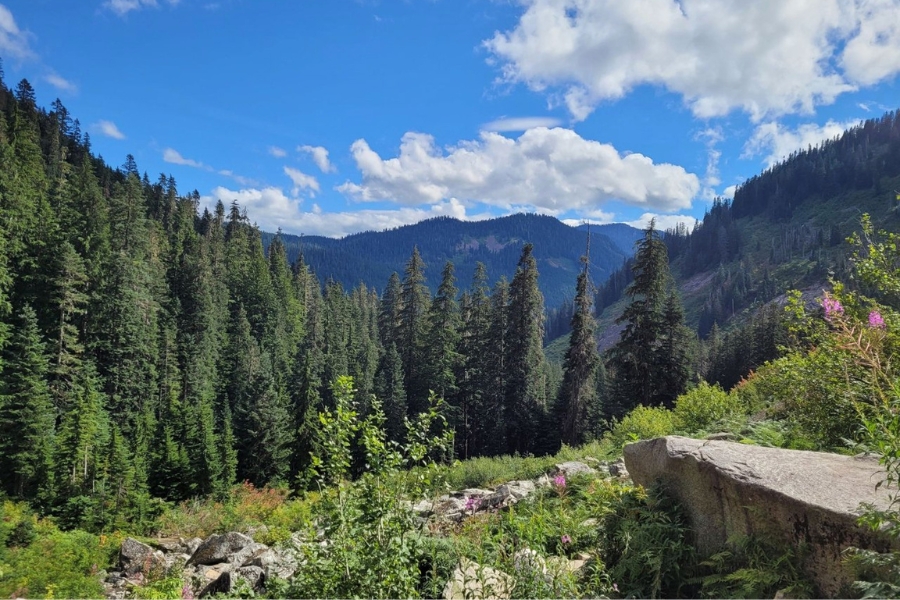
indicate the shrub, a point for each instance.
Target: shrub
{"x":703,"y":407}
{"x":643,"y":423}
{"x":646,"y":546}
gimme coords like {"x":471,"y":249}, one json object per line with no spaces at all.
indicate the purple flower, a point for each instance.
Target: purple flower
{"x":187,"y":593}
{"x":615,"y":587}
{"x":559,"y":481}
{"x":472,"y":503}
{"x":565,"y":539}
{"x":832,"y":308}
{"x":876,"y":321}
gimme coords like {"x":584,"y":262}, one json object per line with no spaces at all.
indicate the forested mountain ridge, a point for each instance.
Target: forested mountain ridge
{"x":785,"y":229}
{"x":371,"y":257}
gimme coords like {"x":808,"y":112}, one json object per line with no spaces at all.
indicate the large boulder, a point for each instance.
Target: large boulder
{"x":728,"y":489}
{"x":218,"y":548}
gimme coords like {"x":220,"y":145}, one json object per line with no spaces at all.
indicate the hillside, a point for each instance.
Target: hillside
{"x":371,"y":257}
{"x":785,"y":229}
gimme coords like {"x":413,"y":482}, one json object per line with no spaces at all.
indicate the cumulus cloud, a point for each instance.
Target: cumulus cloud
{"x":170,"y":155}
{"x":520,"y":123}
{"x":302,"y":181}
{"x":109,"y":129}
{"x":777,"y":142}
{"x":663,"y":222}
{"x":767,"y":57}
{"x":13,"y":41}
{"x":123,"y":7}
{"x":547,"y":170}
{"x":277,"y":152}
{"x":271,"y":209}
{"x":319,"y":156}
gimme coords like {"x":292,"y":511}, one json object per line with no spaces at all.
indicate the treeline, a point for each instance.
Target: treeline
{"x":151,"y":349}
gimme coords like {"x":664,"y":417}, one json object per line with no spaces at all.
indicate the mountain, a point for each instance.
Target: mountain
{"x":786,"y":228}
{"x":371,"y":257}
{"x":622,"y":235}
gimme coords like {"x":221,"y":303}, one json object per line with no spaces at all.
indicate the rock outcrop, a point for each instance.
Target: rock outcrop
{"x":806,"y":498}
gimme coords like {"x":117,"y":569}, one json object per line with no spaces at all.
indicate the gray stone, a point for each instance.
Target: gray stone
{"x":573,"y":467}
{"x":725,"y":436}
{"x":617,"y":469}
{"x":521,"y":489}
{"x":730,"y":489}
{"x":245,"y":554}
{"x":422,"y":507}
{"x":471,"y":580}
{"x":135,"y":556}
{"x":192,"y":544}
{"x":543,"y":481}
{"x":217,"y":548}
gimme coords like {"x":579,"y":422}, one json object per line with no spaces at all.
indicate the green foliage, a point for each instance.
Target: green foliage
{"x":704,"y":406}
{"x":50,"y":563}
{"x":161,"y":589}
{"x":754,"y":567}
{"x":646,"y":546}
{"x":643,"y":423}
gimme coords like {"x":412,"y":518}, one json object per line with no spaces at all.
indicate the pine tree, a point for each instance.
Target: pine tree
{"x":489,"y":416}
{"x":472,"y":378}
{"x":27,"y":417}
{"x":635,"y":358}
{"x":525,"y":395}
{"x":577,"y":393}
{"x":675,"y":361}
{"x":389,"y":390}
{"x":442,"y":338}
{"x":415,"y":301}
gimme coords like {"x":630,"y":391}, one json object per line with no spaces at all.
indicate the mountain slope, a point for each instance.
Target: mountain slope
{"x":371,"y":257}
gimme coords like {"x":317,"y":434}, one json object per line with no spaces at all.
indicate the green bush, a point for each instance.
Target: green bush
{"x":703,"y":407}
{"x":56,"y":564}
{"x":643,"y":423}
{"x":646,"y":547}
{"x":754,"y":567}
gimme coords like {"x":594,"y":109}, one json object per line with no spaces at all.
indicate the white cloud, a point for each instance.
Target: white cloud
{"x":13,"y":41}
{"x":663,"y":222}
{"x":60,"y":83}
{"x":547,"y":170}
{"x":123,"y":7}
{"x":170,"y":155}
{"x":729,"y":191}
{"x":271,"y":208}
{"x":302,"y":181}
{"x":319,"y":156}
{"x":520,"y":123}
{"x":777,"y":142}
{"x":766,"y":57}
{"x":277,"y":152}
{"x":109,"y":129}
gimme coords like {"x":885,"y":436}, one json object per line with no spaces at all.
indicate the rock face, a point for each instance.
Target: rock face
{"x":471,"y":580}
{"x":728,"y":489}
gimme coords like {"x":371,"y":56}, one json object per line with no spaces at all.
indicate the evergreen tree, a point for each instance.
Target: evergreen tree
{"x":27,"y":417}
{"x":442,"y":338}
{"x":578,"y":391}
{"x":472,"y":378}
{"x":389,"y":390}
{"x":635,"y":359}
{"x":525,"y":402}
{"x":412,"y":328}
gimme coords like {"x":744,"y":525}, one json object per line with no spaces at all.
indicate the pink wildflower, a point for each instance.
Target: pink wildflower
{"x":559,"y":481}
{"x":187,"y":593}
{"x":876,"y":321}
{"x":565,"y":539}
{"x":832,"y":308}
{"x":472,"y":503}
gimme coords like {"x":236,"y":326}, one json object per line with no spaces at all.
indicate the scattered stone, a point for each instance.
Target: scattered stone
{"x":808,"y":498}
{"x":543,"y":481}
{"x":725,"y":436}
{"x":618,"y":469}
{"x":471,"y":580}
{"x":573,"y":467}
{"x":136,"y":557}
{"x":217,"y":548}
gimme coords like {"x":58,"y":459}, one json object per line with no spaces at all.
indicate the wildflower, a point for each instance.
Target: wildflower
{"x":565,"y":539}
{"x":472,"y":503}
{"x":832,"y":308}
{"x":187,"y":593}
{"x":559,"y":481}
{"x":876,"y":321}
{"x":615,"y":587}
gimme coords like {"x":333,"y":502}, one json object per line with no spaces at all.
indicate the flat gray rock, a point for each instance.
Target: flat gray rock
{"x":732,"y":489}
{"x":217,"y":548}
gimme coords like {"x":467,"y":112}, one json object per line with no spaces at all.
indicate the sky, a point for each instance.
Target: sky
{"x":333,"y":117}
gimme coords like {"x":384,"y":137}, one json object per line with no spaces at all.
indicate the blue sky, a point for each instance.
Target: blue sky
{"x":331,"y":117}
